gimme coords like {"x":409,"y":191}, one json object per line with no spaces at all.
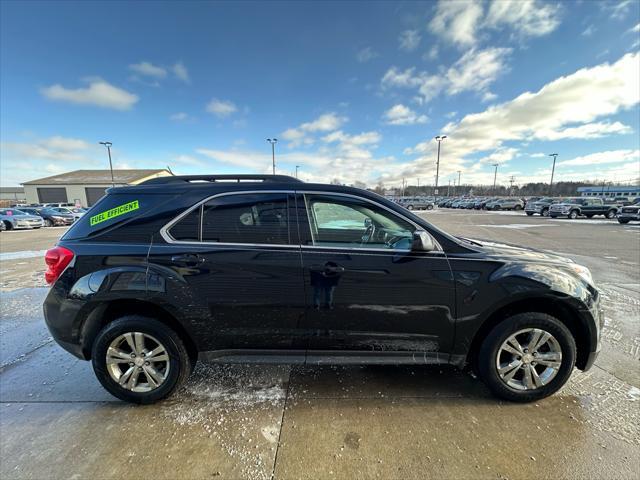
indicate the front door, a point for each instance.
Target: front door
{"x":366,"y":291}
{"x":239,"y":255}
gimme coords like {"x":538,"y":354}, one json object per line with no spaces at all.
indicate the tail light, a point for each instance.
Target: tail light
{"x":57,"y":260}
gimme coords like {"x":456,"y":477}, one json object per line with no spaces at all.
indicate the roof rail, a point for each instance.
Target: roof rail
{"x":176,"y":179}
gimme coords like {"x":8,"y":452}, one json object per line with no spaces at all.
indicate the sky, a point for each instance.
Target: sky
{"x":354,"y":92}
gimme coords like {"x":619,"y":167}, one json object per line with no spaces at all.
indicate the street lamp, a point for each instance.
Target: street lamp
{"x":553,"y":169}
{"x":495,"y":175}
{"x":459,"y":172}
{"x":439,"y":138}
{"x":273,"y":142}
{"x":108,"y":145}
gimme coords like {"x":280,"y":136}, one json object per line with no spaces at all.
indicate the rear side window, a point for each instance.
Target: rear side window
{"x":252,"y":218}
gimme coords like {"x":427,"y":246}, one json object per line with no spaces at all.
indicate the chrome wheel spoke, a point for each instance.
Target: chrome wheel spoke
{"x":115,"y":355}
{"x":513,"y":343}
{"x":124,"y":378}
{"x":508,"y":371}
{"x":540,"y":340}
{"x":527,"y":379}
{"x":129,"y":338}
{"x":152,"y":373}
{"x":537,"y":381}
{"x":138,"y":340}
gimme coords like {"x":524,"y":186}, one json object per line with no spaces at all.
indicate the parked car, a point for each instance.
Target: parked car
{"x":582,"y":207}
{"x":417,"y":203}
{"x":76,"y":212}
{"x":506,"y":204}
{"x":541,"y":206}
{"x":630,"y":213}
{"x":269,"y":268}
{"x":17,"y":219}
{"x":53,"y":217}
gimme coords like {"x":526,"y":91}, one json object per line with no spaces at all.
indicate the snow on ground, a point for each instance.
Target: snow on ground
{"x":22,"y":254}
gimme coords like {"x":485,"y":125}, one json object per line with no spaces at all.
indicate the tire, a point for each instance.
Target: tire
{"x":610,"y":214}
{"x":545,"y":212}
{"x":488,"y":356}
{"x":623,"y":220}
{"x":529,"y":214}
{"x":177,"y":368}
{"x":573,"y":214}
{"x":8,"y":225}
{"x":48,"y":223}
{"x":589,"y":215}
{"x":409,"y":207}
{"x":429,"y":207}
{"x":517,"y":207}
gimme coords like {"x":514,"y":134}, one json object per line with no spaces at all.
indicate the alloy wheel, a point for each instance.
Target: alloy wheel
{"x":137,"y":362}
{"x":529,"y":359}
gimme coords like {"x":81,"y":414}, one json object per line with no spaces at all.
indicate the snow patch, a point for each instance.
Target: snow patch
{"x":518,"y":226}
{"x":22,"y":254}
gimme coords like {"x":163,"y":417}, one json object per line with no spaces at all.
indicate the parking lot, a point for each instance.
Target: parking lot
{"x":236,"y":421}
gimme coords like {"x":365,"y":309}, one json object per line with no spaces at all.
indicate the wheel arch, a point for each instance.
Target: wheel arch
{"x":557,"y":308}
{"x":107,"y":312}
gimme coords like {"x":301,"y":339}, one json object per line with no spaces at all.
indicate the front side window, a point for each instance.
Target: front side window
{"x":336,"y":221}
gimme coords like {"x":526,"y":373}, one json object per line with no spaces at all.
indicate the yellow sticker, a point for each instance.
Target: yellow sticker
{"x":114,"y":212}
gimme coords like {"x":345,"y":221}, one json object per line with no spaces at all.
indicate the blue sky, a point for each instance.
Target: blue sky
{"x":353,"y":91}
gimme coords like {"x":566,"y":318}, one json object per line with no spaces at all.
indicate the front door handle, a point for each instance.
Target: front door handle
{"x":187,"y":260}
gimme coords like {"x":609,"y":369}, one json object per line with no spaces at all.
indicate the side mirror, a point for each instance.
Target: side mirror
{"x":422,"y":241}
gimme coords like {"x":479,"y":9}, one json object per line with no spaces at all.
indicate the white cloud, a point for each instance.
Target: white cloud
{"x":181,"y":72}
{"x":457,"y":22}
{"x":432,"y":54}
{"x":189,"y":160}
{"x":299,"y":135}
{"x":599,"y":158}
{"x":366,"y":54}
{"x":221,"y":108}
{"x":538,"y":155}
{"x":401,"y":115}
{"x":148,"y":69}
{"x":527,"y":18}
{"x":409,"y":40}
{"x":557,"y":110}
{"x":590,"y":30}
{"x":635,"y":29}
{"x":618,"y":9}
{"x":179,"y":117}
{"x":475,"y":71}
{"x":99,"y":93}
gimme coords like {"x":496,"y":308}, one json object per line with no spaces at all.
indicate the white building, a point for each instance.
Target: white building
{"x":83,"y":187}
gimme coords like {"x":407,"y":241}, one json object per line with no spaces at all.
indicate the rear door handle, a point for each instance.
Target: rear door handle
{"x":187,"y":260}
{"x":333,"y":269}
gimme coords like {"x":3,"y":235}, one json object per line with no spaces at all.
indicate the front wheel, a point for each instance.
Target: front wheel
{"x":573,"y":214}
{"x":610,"y":214}
{"x":139,"y":359}
{"x":517,"y":207}
{"x":527,"y":357}
{"x":545,"y":212}
{"x":409,"y":207}
{"x":429,"y":207}
{"x":48,"y":223}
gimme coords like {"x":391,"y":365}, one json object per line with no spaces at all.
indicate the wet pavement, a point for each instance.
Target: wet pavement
{"x":360,"y":422}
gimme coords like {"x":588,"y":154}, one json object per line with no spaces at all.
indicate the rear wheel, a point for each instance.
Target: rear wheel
{"x":545,"y":212}
{"x":527,"y":357}
{"x":8,"y":225}
{"x":409,"y":207}
{"x":429,"y":207}
{"x":48,"y":223}
{"x":573,"y":214}
{"x":611,"y":214}
{"x":517,"y":207}
{"x":140,"y":360}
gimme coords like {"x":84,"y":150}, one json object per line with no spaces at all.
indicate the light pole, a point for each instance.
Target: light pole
{"x":108,"y":145}
{"x":495,"y":175}
{"x":273,"y":142}
{"x":553,"y":169}
{"x":459,"y":172}
{"x":439,"y":138}
{"x":297,"y":167}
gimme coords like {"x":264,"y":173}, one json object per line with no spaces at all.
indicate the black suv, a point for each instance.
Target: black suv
{"x":270,"y":269}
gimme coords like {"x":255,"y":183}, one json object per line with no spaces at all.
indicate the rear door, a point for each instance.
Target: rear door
{"x":240,"y":256}
{"x":366,"y":291}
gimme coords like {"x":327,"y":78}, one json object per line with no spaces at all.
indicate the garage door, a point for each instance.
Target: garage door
{"x":52,"y":195}
{"x":94,"y":194}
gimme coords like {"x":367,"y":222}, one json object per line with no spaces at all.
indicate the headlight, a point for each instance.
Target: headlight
{"x":583,"y":272}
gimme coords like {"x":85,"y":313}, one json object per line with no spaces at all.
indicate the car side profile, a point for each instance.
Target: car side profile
{"x":270,"y":269}
{"x":14,"y":219}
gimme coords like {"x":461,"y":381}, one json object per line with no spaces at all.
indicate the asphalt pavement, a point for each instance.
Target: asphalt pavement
{"x":260,"y":422}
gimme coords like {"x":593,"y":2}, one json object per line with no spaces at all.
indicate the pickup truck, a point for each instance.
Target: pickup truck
{"x":540,"y":206}
{"x":582,"y":207}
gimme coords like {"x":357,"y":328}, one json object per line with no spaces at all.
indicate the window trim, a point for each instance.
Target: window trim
{"x":164,"y":231}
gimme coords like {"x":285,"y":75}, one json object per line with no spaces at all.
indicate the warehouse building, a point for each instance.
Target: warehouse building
{"x":83,"y":187}
{"x":11,"y":195}
{"x":610,"y":191}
